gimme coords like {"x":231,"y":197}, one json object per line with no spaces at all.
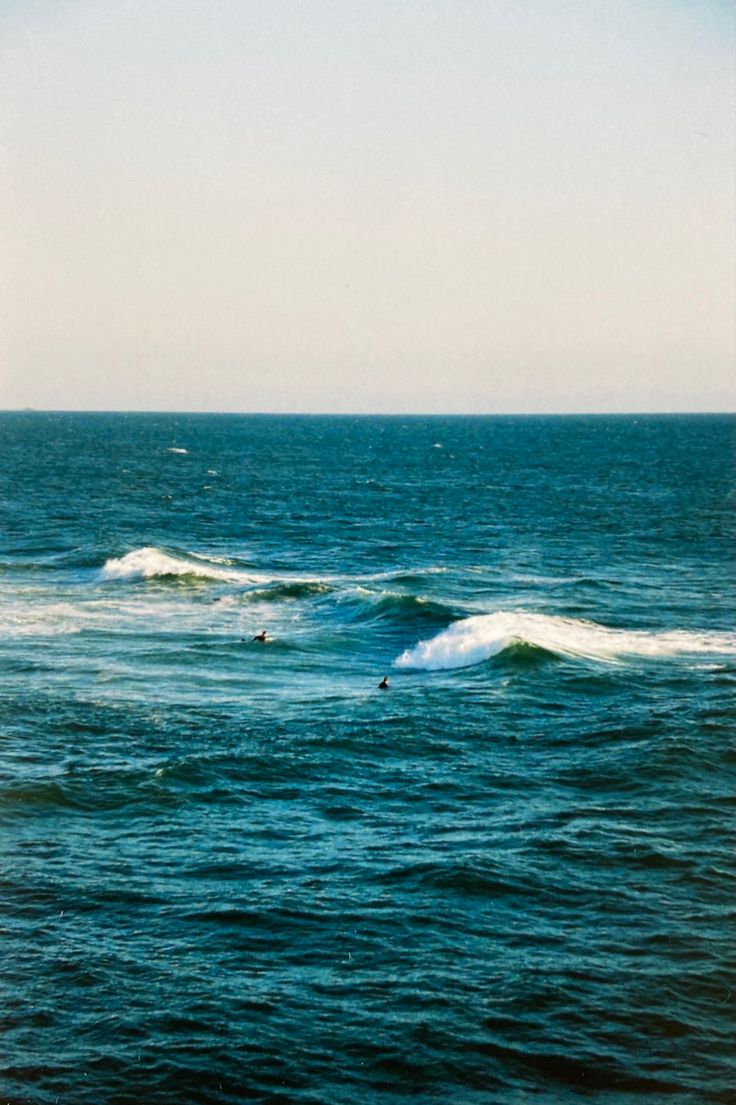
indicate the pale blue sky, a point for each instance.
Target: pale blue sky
{"x":367,"y":206}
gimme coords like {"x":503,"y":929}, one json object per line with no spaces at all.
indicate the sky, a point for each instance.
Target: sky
{"x":491,"y":206}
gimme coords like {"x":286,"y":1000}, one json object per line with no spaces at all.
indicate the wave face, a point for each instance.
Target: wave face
{"x":152,"y":563}
{"x":476,"y":639}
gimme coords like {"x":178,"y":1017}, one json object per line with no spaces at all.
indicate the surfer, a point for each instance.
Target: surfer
{"x":260,"y":636}
{"x":383,"y":685}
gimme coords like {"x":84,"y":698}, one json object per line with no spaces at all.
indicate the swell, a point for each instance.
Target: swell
{"x":289,"y":589}
{"x":363,"y":605}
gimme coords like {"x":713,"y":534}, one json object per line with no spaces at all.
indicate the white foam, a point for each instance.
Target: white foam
{"x":173,"y":449}
{"x":150,"y":562}
{"x":47,"y":619}
{"x":476,"y":639}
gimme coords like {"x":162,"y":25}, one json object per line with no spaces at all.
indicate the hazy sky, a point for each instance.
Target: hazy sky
{"x":367,"y":205}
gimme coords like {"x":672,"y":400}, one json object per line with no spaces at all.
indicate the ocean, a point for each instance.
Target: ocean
{"x":239,"y":871}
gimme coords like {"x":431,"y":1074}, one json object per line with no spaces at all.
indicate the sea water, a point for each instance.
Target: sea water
{"x":238,"y":871}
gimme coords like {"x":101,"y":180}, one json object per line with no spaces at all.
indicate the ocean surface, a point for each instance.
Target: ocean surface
{"x":236,"y":871}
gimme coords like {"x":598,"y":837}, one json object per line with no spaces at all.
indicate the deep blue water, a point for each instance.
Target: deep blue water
{"x":240,"y":872}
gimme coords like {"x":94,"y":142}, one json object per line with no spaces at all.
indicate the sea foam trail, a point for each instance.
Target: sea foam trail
{"x":150,"y":562}
{"x":475,"y":639}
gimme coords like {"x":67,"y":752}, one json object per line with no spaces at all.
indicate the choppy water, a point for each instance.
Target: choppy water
{"x":240,"y":872}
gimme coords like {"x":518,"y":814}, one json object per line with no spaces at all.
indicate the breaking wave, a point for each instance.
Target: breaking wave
{"x":476,"y":639}
{"x":152,"y":563}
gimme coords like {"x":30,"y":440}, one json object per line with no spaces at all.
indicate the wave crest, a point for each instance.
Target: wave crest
{"x":476,"y":639}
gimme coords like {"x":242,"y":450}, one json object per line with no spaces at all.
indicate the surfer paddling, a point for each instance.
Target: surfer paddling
{"x":260,"y":636}
{"x":383,"y":685}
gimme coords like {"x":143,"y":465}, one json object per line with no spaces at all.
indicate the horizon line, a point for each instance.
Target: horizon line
{"x":368,"y":414}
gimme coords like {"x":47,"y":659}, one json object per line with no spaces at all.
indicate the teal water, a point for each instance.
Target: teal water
{"x":236,"y":872}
